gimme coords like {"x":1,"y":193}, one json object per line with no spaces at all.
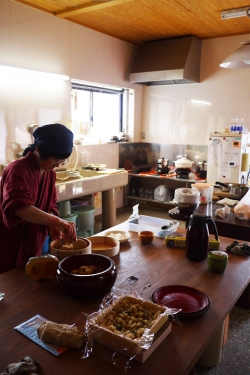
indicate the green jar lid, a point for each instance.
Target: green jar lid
{"x":218,"y":255}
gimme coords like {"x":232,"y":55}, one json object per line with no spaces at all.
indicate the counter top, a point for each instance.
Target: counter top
{"x":230,"y":226}
{"x":74,"y":188}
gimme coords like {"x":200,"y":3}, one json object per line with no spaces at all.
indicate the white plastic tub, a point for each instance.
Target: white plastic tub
{"x":154,"y":224}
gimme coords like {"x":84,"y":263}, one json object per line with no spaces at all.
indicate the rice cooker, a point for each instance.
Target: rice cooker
{"x":187,"y":200}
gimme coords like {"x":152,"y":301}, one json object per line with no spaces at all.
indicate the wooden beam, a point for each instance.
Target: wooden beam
{"x":24,"y":2}
{"x":90,"y":7}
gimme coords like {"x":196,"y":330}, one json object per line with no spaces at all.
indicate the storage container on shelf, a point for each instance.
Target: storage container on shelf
{"x":205,"y":190}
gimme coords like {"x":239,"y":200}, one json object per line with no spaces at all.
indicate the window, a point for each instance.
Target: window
{"x":98,"y":113}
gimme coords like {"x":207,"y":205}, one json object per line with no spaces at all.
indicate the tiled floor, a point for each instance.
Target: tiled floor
{"x":123,"y":213}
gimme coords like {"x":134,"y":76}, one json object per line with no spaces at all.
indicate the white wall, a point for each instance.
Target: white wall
{"x":35,"y":40}
{"x":169,"y":116}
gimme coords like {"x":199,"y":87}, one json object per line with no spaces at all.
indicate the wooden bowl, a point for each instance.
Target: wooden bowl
{"x":80,"y":246}
{"x":146,"y":236}
{"x":103,"y":245}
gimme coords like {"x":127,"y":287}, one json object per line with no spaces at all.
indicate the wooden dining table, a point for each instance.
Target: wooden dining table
{"x":154,"y":265}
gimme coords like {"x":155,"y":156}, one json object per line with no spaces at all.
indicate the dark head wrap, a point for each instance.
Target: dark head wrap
{"x":54,"y":139}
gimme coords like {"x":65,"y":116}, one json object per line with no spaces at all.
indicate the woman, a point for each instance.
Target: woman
{"x":28,"y":210}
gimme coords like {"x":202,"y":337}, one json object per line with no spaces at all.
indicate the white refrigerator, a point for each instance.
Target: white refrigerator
{"x":228,"y":158}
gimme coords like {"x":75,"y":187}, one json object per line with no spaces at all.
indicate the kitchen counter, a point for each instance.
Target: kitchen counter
{"x":230,"y":226}
{"x":102,"y":182}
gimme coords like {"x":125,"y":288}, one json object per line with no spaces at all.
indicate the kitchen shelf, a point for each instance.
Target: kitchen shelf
{"x":132,"y":200}
{"x":151,"y":182}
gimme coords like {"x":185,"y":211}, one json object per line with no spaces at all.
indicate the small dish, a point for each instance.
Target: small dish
{"x":120,"y":235}
{"x":146,"y":236}
{"x":191,"y":301}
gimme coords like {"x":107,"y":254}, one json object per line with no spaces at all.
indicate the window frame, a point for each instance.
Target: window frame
{"x":106,"y":90}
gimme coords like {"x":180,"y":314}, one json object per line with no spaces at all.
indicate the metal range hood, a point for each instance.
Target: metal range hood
{"x":166,"y":62}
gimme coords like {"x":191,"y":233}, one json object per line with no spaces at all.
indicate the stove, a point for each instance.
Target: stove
{"x":182,"y":173}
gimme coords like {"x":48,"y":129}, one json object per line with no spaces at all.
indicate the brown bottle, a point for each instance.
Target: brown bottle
{"x":197,"y":237}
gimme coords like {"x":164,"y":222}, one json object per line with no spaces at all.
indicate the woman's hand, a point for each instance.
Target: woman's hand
{"x":64,"y":229}
{"x":57,"y":227}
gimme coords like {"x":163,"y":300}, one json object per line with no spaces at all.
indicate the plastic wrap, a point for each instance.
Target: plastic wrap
{"x":115,"y":346}
{"x":162,"y":194}
{"x":242,"y":209}
{"x":222,"y":212}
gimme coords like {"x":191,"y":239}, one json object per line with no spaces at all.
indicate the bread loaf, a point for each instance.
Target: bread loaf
{"x":60,"y":334}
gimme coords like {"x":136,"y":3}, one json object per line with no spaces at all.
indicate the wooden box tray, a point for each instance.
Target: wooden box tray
{"x":124,"y":344}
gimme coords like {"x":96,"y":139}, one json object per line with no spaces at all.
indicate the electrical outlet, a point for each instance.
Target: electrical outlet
{"x":143,"y":136}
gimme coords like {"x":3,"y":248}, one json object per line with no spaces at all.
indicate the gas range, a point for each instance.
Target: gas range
{"x":182,"y":173}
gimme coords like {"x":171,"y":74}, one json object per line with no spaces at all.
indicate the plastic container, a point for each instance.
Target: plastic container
{"x":148,"y":223}
{"x":45,"y":247}
{"x":217,"y":261}
{"x":205,"y":190}
{"x":85,"y":220}
{"x":64,"y":208}
{"x":71,"y":217}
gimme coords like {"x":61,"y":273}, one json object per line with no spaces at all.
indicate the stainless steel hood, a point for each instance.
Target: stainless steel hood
{"x":166,"y":62}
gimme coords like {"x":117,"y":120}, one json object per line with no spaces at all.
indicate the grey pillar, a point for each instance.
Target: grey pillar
{"x":108,"y":208}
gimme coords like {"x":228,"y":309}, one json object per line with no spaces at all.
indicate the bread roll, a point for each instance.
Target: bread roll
{"x":60,"y":334}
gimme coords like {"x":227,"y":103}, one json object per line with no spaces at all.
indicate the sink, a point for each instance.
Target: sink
{"x":65,"y":176}
{"x":90,"y":182}
{"x":89,"y":173}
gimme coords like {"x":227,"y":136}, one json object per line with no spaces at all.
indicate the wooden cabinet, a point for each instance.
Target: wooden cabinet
{"x":140,"y":189}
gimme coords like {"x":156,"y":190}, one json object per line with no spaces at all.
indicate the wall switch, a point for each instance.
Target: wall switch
{"x":143,"y":135}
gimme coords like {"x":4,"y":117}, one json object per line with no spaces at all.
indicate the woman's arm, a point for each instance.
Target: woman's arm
{"x":60,"y":228}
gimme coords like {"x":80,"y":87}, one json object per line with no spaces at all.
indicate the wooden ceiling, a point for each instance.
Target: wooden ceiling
{"x":139,"y":21}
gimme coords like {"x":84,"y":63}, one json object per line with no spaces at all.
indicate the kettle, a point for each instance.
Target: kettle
{"x":197,"y":238}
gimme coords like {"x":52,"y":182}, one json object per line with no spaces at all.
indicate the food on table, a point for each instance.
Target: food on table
{"x":67,"y":246}
{"x":128,"y":324}
{"x":118,"y":236}
{"x":42,"y":267}
{"x":60,"y":334}
{"x":87,"y":270}
{"x":130,"y":319}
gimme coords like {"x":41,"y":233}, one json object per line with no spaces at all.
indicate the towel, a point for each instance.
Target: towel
{"x":228,"y":202}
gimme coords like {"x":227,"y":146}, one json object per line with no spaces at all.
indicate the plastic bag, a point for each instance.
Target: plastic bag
{"x":135,"y":213}
{"x":242,"y":209}
{"x":162,"y":194}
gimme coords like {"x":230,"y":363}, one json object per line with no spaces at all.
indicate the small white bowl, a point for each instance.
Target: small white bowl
{"x":119,"y":235}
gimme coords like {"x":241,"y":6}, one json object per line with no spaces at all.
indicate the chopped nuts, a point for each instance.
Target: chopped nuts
{"x":130,"y":319}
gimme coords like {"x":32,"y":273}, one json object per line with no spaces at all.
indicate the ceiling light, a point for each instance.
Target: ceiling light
{"x":235,"y":13}
{"x":239,"y":58}
{"x":11,"y":69}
